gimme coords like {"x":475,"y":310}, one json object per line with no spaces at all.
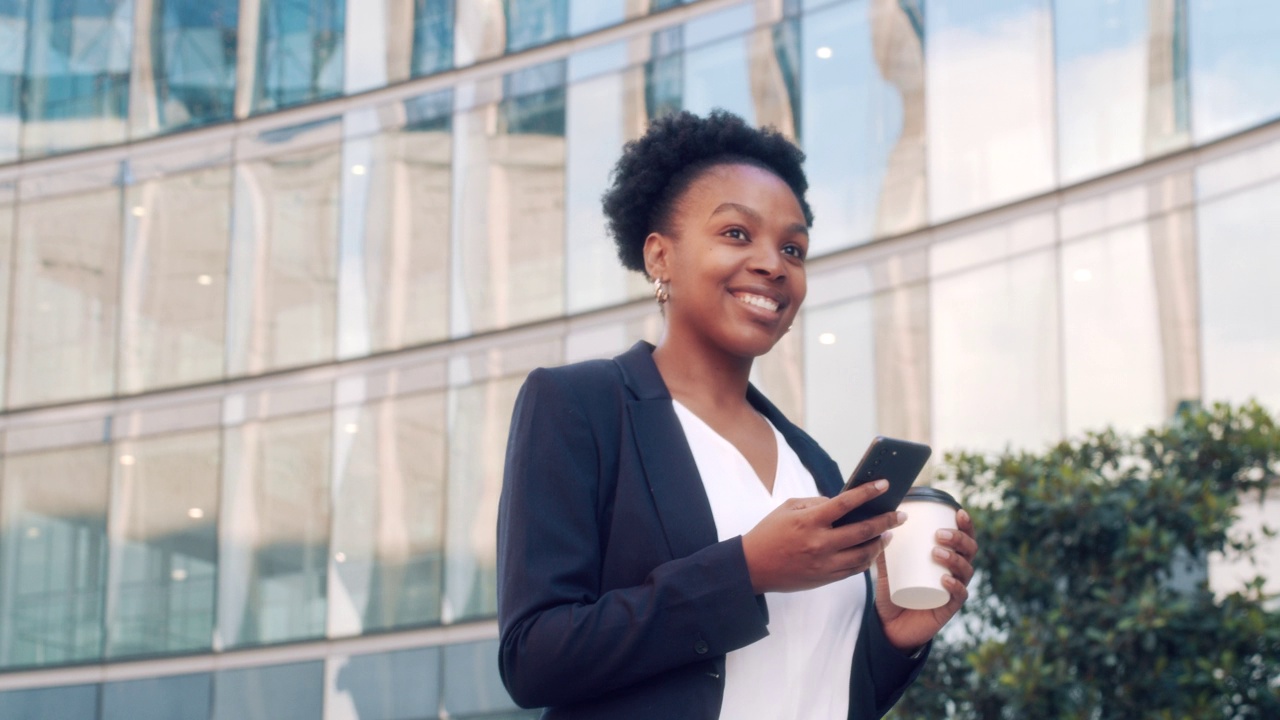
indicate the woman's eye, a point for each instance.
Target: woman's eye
{"x":736,"y":233}
{"x":795,"y":251}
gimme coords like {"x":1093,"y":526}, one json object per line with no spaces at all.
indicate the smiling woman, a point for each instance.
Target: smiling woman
{"x":665,"y":546}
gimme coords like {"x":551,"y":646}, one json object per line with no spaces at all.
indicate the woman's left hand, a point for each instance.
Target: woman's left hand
{"x":906,"y":629}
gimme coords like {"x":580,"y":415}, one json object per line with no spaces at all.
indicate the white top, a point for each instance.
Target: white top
{"x":800,"y":671}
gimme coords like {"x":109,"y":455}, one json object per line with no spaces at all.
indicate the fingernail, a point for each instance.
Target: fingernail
{"x":945,"y":535}
{"x":902,"y":517}
{"x":941,"y":553}
{"x":964,"y":515}
{"x":882,"y":485}
{"x":886,"y":537}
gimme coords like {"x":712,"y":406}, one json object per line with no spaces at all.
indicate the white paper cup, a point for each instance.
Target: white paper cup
{"x":915,"y":577}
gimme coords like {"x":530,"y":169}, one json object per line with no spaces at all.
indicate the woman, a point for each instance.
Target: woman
{"x":665,"y":547}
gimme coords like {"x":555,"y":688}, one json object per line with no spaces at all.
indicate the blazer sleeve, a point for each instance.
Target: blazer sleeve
{"x":563,"y":640}
{"x":881,"y":672}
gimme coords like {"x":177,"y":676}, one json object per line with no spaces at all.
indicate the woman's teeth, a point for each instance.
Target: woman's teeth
{"x":760,"y":302}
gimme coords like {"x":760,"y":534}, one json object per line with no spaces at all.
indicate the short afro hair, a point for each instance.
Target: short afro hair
{"x":655,"y":170}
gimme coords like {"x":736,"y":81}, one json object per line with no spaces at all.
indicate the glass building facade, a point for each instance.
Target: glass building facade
{"x":272,"y":272}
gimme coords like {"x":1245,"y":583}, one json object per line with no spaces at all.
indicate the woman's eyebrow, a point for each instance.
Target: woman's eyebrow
{"x":754,"y":216}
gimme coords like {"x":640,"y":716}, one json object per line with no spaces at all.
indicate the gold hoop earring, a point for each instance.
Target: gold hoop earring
{"x":660,"y":292}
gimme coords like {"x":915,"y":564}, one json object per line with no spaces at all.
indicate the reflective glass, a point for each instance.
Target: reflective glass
{"x":8,"y":218}
{"x":300,"y":52}
{"x":1234,"y":64}
{"x":398,"y":200}
{"x":284,"y":260}
{"x":66,"y":289}
{"x":1113,"y":372}
{"x":76,"y":90}
{"x":403,"y":685}
{"x":664,"y":73}
{"x":53,"y":533}
{"x":603,"y":113}
{"x":388,"y":525}
{"x":509,"y":217}
{"x":863,"y":122}
{"x":989,"y":89}
{"x":13,"y":55}
{"x":274,"y":535}
{"x":278,"y":692}
{"x":173,"y":302}
{"x":72,"y":702}
{"x":479,"y":418}
{"x":1122,"y":83}
{"x":1238,"y":260}
{"x":164,"y":545}
{"x":588,"y":15}
{"x":174,"y":697}
{"x":994,"y":354}
{"x":472,"y":687}
{"x":754,"y":75}
{"x":535,"y":22}
{"x":187,"y":73}
{"x":432,"y":36}
{"x":479,"y":31}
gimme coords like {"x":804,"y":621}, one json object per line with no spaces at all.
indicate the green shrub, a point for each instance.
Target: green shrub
{"x":1092,"y":599}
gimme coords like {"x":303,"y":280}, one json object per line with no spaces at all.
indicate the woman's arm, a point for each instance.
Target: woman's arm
{"x":563,"y":640}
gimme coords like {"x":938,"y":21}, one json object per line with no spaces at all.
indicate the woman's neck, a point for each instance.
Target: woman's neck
{"x":696,"y":374}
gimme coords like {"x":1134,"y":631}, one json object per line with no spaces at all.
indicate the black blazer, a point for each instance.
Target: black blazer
{"x":615,"y":598}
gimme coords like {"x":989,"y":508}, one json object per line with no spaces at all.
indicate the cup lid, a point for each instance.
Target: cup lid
{"x":924,"y":493}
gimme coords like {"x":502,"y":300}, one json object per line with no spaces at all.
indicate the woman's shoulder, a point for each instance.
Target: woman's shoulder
{"x":582,"y":385}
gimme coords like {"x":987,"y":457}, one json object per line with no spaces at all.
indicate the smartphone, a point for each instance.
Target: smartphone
{"x":899,"y":462}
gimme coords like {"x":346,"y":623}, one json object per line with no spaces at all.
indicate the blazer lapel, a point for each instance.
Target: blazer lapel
{"x":826,"y":474}
{"x":669,"y":467}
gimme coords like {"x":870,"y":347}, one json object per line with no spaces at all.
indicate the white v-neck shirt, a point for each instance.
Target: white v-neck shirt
{"x":800,"y":671}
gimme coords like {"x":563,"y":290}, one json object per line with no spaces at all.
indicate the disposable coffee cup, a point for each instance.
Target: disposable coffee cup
{"x":915,"y":577}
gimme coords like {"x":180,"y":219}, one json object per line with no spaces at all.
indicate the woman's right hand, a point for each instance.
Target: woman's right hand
{"x":795,"y":548}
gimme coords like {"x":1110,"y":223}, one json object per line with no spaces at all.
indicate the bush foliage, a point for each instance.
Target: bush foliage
{"x":1092,"y":598}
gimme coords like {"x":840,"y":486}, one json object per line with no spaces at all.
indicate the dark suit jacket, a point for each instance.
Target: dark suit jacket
{"x":615,"y":599}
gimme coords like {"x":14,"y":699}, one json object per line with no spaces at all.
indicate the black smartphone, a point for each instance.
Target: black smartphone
{"x":899,"y":462}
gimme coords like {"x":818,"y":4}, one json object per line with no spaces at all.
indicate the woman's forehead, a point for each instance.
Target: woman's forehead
{"x":730,"y":186}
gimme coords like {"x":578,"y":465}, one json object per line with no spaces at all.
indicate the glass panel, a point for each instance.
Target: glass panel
{"x":1234,"y":63}
{"x":510,"y":216}
{"x":173,"y":313}
{"x":664,"y":74}
{"x":284,"y":264}
{"x":754,"y":75}
{"x":986,"y":54}
{"x":535,"y":22}
{"x":472,"y":687}
{"x":432,"y":36}
{"x":13,"y":55}
{"x":274,"y":536}
{"x":994,"y":356}
{"x":1122,"y":83}
{"x":187,"y":76}
{"x":282,"y":692}
{"x":588,"y":15}
{"x":1113,"y":372}
{"x":402,"y":685}
{"x":863,"y":122}
{"x":74,"y":701}
{"x":840,"y":390}
{"x":76,"y":92}
{"x":388,"y":532}
{"x":177,"y":697}
{"x":398,"y":198}
{"x":53,"y":556}
{"x":65,"y":298}
{"x":164,"y":545}
{"x":479,"y":418}
{"x":300,"y":52}
{"x":1238,"y":261}
{"x":603,"y":114}
{"x":8,"y":218}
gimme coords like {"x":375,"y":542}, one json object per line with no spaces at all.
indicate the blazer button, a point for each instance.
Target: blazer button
{"x":701,"y":647}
